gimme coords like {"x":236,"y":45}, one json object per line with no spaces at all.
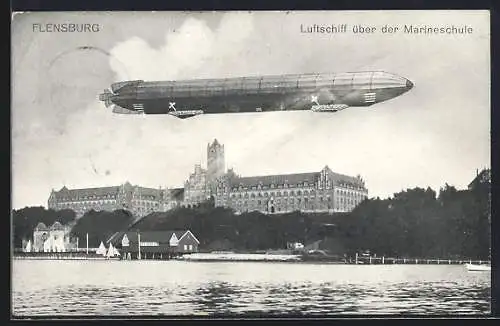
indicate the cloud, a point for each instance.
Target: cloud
{"x":191,"y":49}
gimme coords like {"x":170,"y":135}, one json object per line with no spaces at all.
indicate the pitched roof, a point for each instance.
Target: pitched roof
{"x":483,"y":176}
{"x":41,"y":227}
{"x":153,"y":236}
{"x":177,"y":193}
{"x":57,"y":226}
{"x":189,"y":232}
{"x":294,"y":179}
{"x":149,"y":192}
{"x":265,"y":180}
{"x":84,"y":193}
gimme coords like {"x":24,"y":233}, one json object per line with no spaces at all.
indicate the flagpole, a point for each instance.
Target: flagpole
{"x":87,"y":243}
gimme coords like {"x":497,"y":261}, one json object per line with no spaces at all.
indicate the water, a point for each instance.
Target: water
{"x":127,"y":288}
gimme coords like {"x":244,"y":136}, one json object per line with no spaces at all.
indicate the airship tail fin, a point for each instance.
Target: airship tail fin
{"x":106,"y":98}
{"x":120,"y":110}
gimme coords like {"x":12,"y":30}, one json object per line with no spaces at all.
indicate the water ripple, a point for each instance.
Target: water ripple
{"x":173,"y":288}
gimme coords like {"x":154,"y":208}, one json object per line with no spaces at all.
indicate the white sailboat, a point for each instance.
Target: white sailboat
{"x":112,"y":252}
{"x":28,"y":247}
{"x":478,"y":268}
{"x":101,"y":250}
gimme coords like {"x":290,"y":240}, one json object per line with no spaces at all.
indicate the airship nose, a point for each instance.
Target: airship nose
{"x":409,"y":84}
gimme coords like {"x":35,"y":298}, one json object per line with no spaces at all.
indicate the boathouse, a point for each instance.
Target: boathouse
{"x":156,"y":244}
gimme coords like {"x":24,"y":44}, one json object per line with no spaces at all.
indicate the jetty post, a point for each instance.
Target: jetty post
{"x":139,"y":244}
{"x":383,"y":259}
{"x":356,"y":261}
{"x":87,"y":243}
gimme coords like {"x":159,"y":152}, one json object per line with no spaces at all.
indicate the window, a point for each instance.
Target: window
{"x":149,"y":244}
{"x":185,"y":247}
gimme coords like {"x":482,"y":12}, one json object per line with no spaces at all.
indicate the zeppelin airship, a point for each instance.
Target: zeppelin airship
{"x":318,"y":92}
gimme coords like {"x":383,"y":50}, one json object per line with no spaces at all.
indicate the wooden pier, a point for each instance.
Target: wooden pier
{"x":418,"y":261}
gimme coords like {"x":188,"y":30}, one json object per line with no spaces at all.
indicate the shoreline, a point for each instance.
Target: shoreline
{"x":256,"y":257}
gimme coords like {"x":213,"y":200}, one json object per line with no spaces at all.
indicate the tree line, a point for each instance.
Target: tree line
{"x":413,"y":223}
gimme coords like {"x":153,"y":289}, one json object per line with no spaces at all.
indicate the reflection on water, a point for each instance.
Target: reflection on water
{"x":72,"y":288}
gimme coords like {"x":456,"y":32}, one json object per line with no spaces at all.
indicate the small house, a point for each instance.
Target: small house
{"x":156,"y":244}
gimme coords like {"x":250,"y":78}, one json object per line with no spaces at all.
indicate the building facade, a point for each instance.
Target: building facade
{"x":483,"y":177}
{"x":323,"y":191}
{"x":138,"y":200}
{"x":156,"y":244}
{"x":52,"y":239}
{"x":196,"y":188}
{"x":202,"y":184}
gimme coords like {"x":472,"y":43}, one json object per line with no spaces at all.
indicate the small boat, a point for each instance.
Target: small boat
{"x":101,"y":250}
{"x":478,"y":268}
{"x":112,"y":253}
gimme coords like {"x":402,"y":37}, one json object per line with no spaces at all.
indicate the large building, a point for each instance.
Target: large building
{"x":319,"y":191}
{"x":322,"y":191}
{"x":139,"y":200}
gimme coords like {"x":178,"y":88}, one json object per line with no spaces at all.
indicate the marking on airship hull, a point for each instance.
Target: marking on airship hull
{"x":314,"y":99}
{"x":171,"y":105}
{"x":370,"y":97}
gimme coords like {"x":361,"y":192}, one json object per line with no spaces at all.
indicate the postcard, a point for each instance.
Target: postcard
{"x":251,"y":164}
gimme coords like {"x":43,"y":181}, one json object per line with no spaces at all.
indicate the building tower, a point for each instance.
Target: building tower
{"x":215,"y":163}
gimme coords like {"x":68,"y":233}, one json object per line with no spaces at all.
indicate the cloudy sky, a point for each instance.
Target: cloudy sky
{"x":62,"y":135}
